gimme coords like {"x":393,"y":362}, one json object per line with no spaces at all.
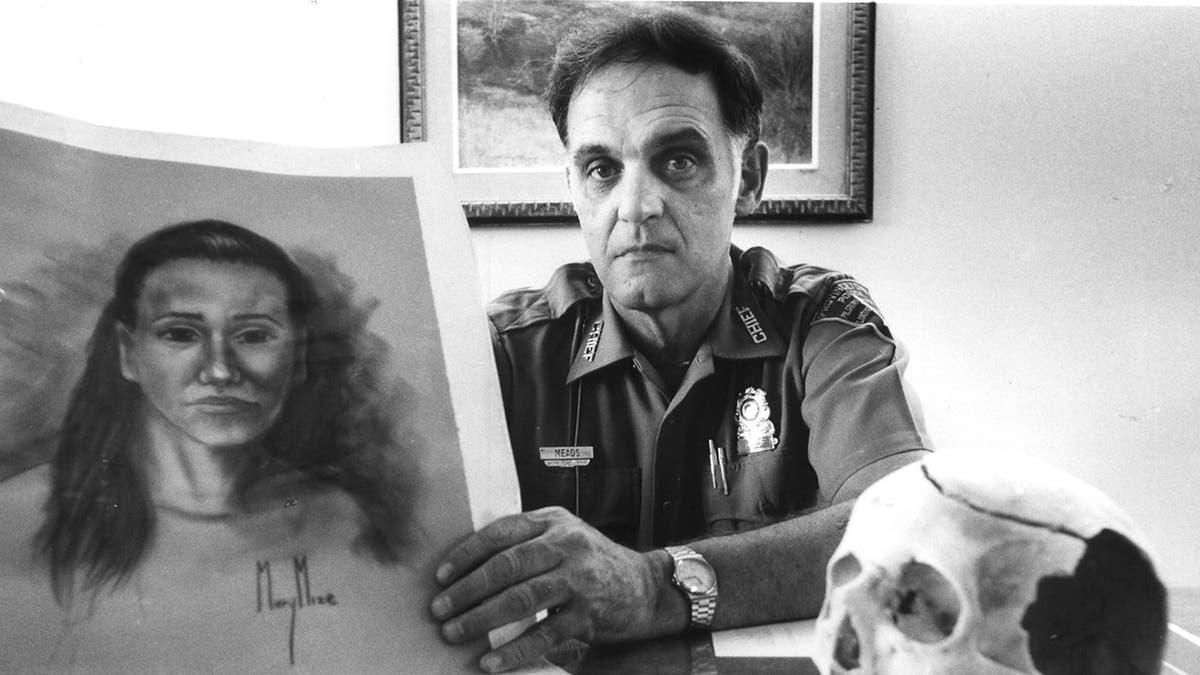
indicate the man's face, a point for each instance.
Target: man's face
{"x":656,"y":179}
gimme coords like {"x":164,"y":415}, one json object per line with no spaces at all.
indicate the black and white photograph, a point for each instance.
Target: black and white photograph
{"x":599,"y":336}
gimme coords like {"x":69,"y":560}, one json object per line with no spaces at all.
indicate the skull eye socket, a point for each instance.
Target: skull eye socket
{"x":841,"y":572}
{"x":844,"y":570}
{"x":924,"y":606}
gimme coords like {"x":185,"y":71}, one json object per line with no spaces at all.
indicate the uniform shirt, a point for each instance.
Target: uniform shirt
{"x":798,"y":384}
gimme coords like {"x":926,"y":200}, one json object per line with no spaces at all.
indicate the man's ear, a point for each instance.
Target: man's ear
{"x":124,"y":348}
{"x":753,"y":177}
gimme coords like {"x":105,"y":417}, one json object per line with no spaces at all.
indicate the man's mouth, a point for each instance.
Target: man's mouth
{"x":644,"y":251}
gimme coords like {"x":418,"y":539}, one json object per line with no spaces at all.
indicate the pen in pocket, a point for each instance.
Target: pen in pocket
{"x":712,"y":462}
{"x":719,"y":453}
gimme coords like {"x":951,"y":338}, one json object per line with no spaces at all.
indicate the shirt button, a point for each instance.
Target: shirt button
{"x":668,"y":505}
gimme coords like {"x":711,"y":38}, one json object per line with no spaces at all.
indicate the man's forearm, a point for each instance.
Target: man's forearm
{"x":604,"y":592}
{"x":775,"y":573}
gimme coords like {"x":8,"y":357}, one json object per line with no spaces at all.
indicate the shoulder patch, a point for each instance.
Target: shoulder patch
{"x":849,"y":301}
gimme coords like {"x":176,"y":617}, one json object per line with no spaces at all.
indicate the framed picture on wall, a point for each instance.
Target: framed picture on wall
{"x":472,"y":73}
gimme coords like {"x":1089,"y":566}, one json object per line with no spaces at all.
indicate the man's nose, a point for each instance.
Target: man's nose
{"x":220,"y":365}
{"x":640,"y":196}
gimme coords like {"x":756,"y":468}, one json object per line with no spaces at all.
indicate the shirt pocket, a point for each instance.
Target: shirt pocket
{"x":609,"y":498}
{"x":755,"y":494}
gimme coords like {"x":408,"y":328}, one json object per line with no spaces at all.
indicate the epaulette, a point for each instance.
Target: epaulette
{"x":570,"y":284}
{"x":772,"y":282}
{"x":828,"y":295}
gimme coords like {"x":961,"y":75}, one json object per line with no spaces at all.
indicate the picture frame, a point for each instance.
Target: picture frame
{"x":835,"y":185}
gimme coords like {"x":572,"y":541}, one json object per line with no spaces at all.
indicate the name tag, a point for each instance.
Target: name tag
{"x":567,"y":455}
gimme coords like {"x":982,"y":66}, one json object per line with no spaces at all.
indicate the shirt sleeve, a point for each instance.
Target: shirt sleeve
{"x":864,"y":419}
{"x":503,"y":364}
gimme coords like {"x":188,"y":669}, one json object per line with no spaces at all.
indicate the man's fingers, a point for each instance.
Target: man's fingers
{"x":493,"y":538}
{"x":517,"y":602}
{"x":503,"y":571}
{"x":540,"y":639}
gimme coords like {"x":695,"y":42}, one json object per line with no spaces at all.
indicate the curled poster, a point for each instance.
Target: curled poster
{"x":246,"y":402}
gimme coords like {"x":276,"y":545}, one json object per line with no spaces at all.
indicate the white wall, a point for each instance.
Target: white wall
{"x":1036,"y":242}
{"x":1037,"y":199}
{"x":280,"y":71}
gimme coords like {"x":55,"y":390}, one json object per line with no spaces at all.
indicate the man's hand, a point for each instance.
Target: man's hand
{"x":596,"y":590}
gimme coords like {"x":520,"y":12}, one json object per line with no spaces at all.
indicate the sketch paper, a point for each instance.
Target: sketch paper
{"x":290,"y":586}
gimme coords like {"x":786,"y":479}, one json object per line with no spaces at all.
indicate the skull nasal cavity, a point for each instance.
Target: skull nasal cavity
{"x":845,"y":651}
{"x":925,"y":606}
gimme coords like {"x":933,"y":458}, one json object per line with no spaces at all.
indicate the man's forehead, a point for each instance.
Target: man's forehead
{"x":653,"y":101}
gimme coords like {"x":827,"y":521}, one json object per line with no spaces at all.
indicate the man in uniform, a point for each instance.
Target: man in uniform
{"x":676,"y":388}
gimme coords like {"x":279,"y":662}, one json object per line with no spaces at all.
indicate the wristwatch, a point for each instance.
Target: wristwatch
{"x":698,"y":582}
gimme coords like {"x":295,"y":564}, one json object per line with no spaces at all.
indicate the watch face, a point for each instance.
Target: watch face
{"x":695,"y":576}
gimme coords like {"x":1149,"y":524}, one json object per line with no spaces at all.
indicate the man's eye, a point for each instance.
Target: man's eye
{"x":600,"y":170}
{"x":680,"y":164}
{"x":183,"y":334}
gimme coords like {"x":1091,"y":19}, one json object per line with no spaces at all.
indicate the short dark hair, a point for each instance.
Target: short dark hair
{"x":668,"y":37}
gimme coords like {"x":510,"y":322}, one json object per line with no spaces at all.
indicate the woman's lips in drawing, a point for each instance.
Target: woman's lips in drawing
{"x":223,"y":405}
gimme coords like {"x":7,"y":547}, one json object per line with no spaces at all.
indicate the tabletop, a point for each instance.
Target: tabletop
{"x":784,"y":648}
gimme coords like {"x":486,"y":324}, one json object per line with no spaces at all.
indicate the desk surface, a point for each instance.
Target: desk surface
{"x":730,"y":651}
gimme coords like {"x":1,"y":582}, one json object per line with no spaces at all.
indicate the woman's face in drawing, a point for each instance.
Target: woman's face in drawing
{"x":214,"y":351}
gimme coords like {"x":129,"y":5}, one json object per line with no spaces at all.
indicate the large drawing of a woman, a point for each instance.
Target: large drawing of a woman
{"x":238,"y":446}
{"x":206,"y":393}
{"x":227,"y":419}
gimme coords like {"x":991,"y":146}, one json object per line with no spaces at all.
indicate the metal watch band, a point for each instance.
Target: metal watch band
{"x":703,"y":607}
{"x":702,"y":611}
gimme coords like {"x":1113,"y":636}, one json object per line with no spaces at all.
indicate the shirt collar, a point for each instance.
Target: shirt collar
{"x":603,"y":342}
{"x":740,"y":331}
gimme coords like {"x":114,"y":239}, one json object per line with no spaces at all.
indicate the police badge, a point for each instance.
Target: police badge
{"x":756,"y":432}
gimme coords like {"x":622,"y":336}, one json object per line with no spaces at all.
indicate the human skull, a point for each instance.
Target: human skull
{"x":959,"y":565}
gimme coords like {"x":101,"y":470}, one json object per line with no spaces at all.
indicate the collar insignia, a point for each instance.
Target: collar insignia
{"x":751,"y":323}
{"x":593,"y":339}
